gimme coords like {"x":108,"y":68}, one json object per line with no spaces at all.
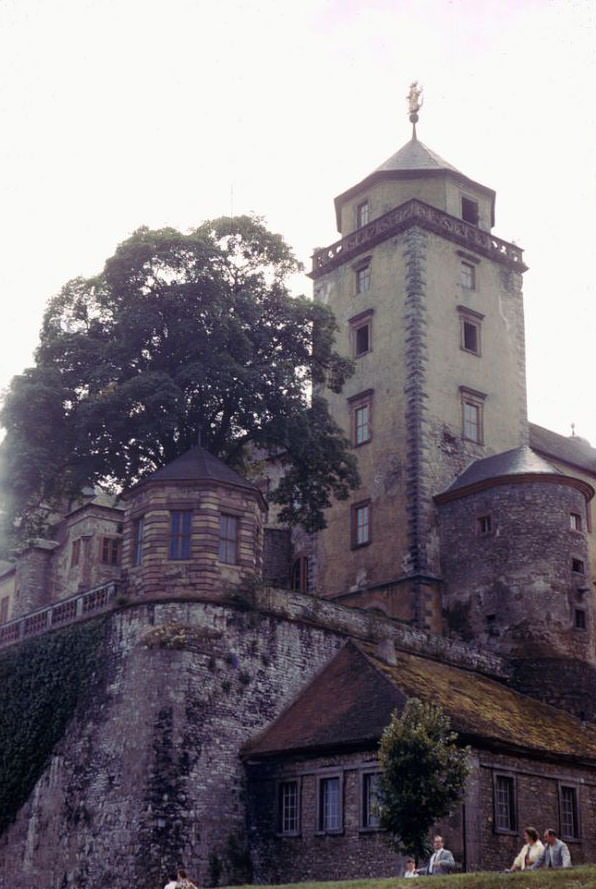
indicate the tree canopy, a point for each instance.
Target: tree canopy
{"x":423,"y":775}
{"x":182,"y":338}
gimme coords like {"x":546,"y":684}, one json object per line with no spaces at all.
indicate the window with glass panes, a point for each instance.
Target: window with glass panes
{"x":180,"y":533}
{"x":361,"y":524}
{"x":110,"y":550}
{"x":139,"y":528}
{"x":228,"y":539}
{"x":329,"y":804}
{"x":371,"y":816}
{"x":569,"y":812}
{"x":504,"y":803}
{"x":288,"y":807}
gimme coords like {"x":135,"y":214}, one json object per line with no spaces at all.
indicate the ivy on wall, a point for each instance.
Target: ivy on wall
{"x":41,"y":682}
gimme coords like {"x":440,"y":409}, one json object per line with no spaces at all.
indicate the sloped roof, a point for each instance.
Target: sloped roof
{"x":570,"y":449}
{"x":411,"y":159}
{"x":195,"y":465}
{"x":415,"y":155}
{"x":349,"y":703}
{"x":520,"y":463}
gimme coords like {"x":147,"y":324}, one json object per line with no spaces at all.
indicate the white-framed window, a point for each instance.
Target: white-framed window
{"x":288,"y":799}
{"x":467,"y":275}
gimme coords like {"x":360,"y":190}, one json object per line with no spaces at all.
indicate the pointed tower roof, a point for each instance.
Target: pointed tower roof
{"x":415,"y":155}
{"x":198,"y":465}
{"x":413,"y":160}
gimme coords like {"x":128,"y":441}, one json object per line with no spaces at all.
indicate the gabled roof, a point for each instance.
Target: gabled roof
{"x":518,"y":464}
{"x":349,"y":703}
{"x":198,"y":465}
{"x":569,"y":449}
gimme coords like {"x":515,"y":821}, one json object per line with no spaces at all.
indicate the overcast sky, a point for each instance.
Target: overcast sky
{"x":121,"y":113}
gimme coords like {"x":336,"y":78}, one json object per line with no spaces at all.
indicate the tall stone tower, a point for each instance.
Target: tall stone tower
{"x":429,"y":307}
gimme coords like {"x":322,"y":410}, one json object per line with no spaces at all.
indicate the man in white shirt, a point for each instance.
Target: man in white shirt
{"x":440,"y":862}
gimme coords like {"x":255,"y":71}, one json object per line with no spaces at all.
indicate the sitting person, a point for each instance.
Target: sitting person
{"x":530,"y":851}
{"x":410,"y":868}
{"x":555,"y":853}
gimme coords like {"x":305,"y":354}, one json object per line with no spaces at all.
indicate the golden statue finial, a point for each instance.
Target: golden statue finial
{"x":415,"y":101}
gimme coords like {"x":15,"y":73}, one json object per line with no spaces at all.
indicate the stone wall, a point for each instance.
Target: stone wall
{"x":148,"y":775}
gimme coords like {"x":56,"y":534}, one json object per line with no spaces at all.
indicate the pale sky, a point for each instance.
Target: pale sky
{"x":121,"y":113}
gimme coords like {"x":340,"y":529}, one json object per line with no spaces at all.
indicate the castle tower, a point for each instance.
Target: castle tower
{"x":429,"y":306}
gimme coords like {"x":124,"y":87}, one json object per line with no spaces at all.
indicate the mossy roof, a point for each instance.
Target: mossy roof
{"x":351,"y":700}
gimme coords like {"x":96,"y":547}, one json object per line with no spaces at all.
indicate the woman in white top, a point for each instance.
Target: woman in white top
{"x":530,"y":852}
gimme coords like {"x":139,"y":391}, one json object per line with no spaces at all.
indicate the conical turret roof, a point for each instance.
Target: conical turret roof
{"x":196,"y":465}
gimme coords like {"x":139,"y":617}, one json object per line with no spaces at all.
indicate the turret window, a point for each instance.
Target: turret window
{"x":75,"y":553}
{"x":580,"y":619}
{"x":110,"y":550}
{"x":228,"y":539}
{"x":575,"y":521}
{"x":469,"y":211}
{"x":484,"y":525}
{"x":362,"y":214}
{"x":577,"y":566}
{"x":180,"y":531}
{"x":139,"y":530}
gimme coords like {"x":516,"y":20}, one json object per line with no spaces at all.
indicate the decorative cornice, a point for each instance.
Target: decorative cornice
{"x":522,"y":478}
{"x":415,"y":212}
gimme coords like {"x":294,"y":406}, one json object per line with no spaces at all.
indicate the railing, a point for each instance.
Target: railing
{"x":402,"y":217}
{"x":59,"y":614}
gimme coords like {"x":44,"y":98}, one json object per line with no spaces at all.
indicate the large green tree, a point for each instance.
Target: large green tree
{"x":183,"y":338}
{"x":423,"y":774}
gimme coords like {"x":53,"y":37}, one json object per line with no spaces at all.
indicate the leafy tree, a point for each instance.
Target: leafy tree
{"x":423,"y":775}
{"x":182,"y":338}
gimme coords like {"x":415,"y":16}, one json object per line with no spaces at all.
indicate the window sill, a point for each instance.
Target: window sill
{"x":330,"y":833}
{"x":361,"y":545}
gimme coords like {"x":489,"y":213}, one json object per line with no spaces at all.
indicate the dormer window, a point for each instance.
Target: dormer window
{"x":469,"y":211}
{"x":362,"y":214}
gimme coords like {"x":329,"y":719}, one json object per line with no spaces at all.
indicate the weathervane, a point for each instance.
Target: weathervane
{"x":415,"y":101}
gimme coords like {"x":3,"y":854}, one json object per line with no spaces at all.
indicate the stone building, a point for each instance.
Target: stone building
{"x":246,"y":674}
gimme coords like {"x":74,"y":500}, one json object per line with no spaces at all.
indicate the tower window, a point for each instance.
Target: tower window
{"x":467,"y":273}
{"x":484,"y":525}
{"x":577,"y":566}
{"x":472,"y":415}
{"x":361,"y":529}
{"x":361,"y":407}
{"x":361,"y":333}
{"x":580,"y":619}
{"x":362,"y":214}
{"x":470,"y":337}
{"x":363,"y":279}
{"x":75,"y":552}
{"x":469,"y":211}
{"x":575,"y":521}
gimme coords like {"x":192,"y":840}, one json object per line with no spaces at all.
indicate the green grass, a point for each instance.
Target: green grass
{"x":573,"y":878}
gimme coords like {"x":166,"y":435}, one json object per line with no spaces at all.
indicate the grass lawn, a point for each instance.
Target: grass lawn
{"x":571,"y":878}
